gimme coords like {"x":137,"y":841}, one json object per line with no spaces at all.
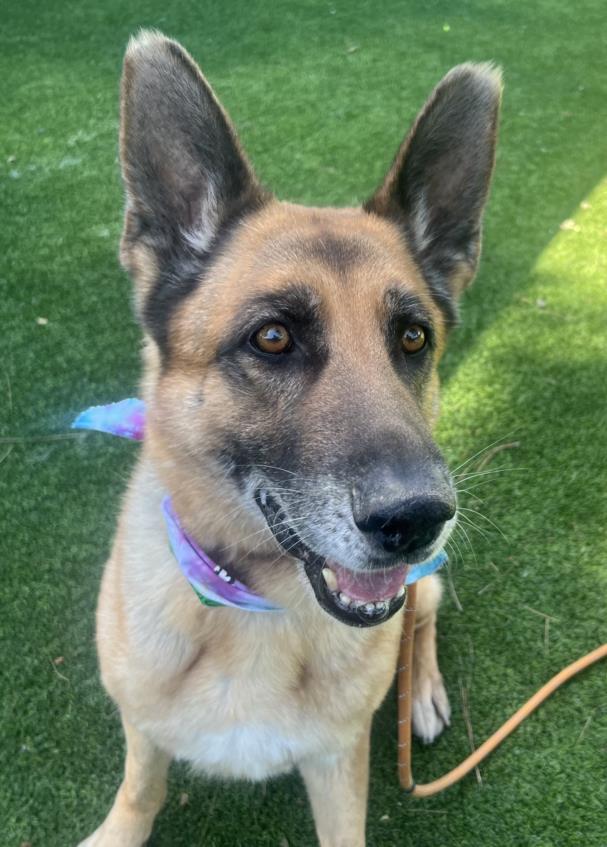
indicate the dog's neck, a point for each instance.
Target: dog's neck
{"x":203,"y":512}
{"x":234,"y":537}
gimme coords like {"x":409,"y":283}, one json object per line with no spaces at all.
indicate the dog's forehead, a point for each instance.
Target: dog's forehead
{"x":335,"y":252}
{"x":338,"y":241}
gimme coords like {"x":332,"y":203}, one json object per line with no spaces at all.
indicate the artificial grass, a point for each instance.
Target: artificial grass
{"x":321,"y":93}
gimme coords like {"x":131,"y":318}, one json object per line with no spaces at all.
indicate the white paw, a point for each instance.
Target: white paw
{"x":431,"y":711}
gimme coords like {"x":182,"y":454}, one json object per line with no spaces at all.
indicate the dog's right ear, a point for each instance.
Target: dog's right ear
{"x":185,"y":174}
{"x":437,"y":186}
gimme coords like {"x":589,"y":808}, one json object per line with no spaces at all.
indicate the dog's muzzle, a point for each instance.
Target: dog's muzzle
{"x":374,"y":596}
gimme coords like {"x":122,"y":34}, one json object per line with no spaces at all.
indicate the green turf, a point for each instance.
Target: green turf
{"x":321,"y":92}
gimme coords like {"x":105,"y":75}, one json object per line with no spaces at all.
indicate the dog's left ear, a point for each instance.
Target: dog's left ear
{"x":438,"y":183}
{"x":186,"y":177}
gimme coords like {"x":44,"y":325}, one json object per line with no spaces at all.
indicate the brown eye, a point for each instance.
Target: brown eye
{"x":272,"y":338}
{"x":414,"y":339}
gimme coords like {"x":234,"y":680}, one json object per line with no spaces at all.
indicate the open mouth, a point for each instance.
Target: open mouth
{"x":356,"y":598}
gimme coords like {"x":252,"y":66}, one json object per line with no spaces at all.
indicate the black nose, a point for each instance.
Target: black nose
{"x":408,"y":525}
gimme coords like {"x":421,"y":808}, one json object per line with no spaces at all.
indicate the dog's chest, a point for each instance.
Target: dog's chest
{"x":257,"y":749}
{"x":257,"y":711}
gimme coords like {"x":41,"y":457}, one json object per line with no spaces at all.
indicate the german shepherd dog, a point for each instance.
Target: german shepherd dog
{"x":291,"y":387}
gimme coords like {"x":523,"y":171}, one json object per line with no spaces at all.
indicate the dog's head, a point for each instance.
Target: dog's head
{"x":293,"y":351}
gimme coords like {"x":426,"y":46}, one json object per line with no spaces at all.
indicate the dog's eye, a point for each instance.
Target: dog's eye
{"x":413,"y":339}
{"x":272,"y":338}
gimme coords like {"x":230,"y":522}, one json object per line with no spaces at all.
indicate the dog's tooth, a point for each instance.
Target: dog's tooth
{"x":344,"y":599}
{"x":400,"y":592}
{"x":216,"y":568}
{"x":330,"y":578}
{"x":225,"y":575}
{"x":370,"y":608}
{"x":263,"y":495}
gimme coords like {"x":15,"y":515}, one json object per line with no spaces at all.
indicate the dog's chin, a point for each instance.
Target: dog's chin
{"x":360,"y":599}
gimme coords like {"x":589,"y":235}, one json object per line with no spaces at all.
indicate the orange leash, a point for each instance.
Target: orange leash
{"x":404,"y":675}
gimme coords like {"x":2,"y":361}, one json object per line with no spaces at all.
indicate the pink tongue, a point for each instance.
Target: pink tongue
{"x":368,"y":585}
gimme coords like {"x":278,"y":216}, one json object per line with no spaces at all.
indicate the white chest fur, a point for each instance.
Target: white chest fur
{"x":253,"y":751}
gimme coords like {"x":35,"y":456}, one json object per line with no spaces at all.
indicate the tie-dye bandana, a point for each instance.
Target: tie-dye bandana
{"x":212,"y":584}
{"x":125,"y":419}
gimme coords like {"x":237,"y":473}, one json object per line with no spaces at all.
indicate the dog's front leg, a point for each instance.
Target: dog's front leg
{"x":139,"y":798}
{"x":338,"y":787}
{"x":431,"y":712}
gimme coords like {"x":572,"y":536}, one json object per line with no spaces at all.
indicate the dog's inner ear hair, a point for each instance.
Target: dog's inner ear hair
{"x":185,"y":174}
{"x":438,"y":183}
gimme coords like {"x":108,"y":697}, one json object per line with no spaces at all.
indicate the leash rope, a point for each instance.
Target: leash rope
{"x":404,"y":680}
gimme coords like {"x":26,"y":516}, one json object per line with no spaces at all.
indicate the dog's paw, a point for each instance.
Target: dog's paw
{"x":431,"y":711}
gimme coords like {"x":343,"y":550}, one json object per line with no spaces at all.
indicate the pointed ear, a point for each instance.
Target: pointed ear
{"x":185,"y":174}
{"x":438,"y":183}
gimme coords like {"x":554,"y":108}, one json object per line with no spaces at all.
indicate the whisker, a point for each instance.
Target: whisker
{"x":484,"y":449}
{"x":451,"y":542}
{"x":474,"y":474}
{"x":259,"y":465}
{"x":468,"y":491}
{"x":241,"y":541}
{"x":485,"y":518}
{"x":473,"y":526}
{"x":468,"y":540}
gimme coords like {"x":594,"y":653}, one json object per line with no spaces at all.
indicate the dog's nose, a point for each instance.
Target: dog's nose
{"x":407,"y":526}
{"x":401,"y":517}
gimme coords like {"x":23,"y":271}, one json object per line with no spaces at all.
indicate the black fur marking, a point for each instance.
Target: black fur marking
{"x":338,"y":252}
{"x":299,"y":308}
{"x":403,"y":308}
{"x":178,"y":279}
{"x":402,"y":305}
{"x":182,"y":271}
{"x":435,"y":274}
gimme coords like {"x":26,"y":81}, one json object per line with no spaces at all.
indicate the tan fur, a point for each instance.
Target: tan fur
{"x":240,"y":694}
{"x":179,"y":670}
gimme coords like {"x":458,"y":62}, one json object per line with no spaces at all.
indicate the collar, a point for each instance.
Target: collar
{"x":212,"y":584}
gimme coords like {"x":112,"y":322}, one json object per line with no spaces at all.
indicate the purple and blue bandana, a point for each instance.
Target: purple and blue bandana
{"x":125,"y":419}
{"x":212,"y":584}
